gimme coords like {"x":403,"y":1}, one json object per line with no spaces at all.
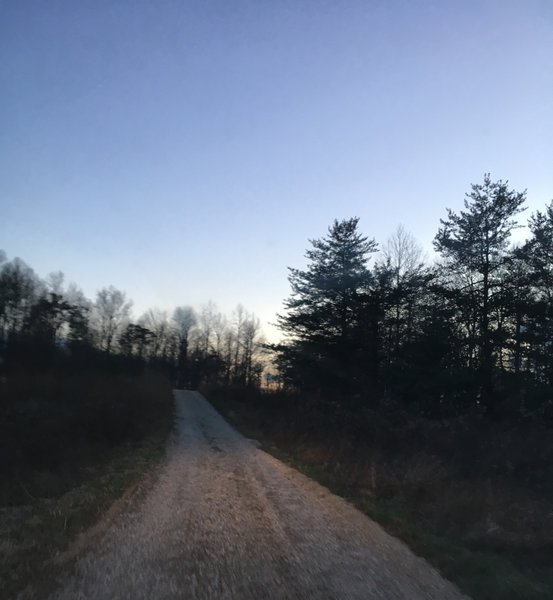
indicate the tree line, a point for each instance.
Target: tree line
{"x":44,"y":323}
{"x":471,"y":332}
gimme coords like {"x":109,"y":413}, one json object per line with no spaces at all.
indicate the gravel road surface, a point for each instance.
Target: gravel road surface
{"x":226,"y":520}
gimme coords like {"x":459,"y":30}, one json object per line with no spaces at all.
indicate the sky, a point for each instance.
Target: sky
{"x":186,"y":151}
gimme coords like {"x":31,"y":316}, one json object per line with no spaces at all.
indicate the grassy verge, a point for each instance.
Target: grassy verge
{"x":482,"y":566}
{"x":45,"y":511}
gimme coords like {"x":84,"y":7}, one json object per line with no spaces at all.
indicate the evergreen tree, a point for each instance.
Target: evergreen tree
{"x":476,"y":242}
{"x":538,"y":254}
{"x":326,"y":315}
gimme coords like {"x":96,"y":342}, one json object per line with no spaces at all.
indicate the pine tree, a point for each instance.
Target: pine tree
{"x":476,"y":243}
{"x":327,"y":312}
{"x":538,"y":256}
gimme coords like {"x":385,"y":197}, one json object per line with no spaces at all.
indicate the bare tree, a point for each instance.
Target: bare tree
{"x":54,"y":282}
{"x":206,"y":325}
{"x":111,"y":310}
{"x":74,"y":295}
{"x":229,"y":341}
{"x":239,"y":317}
{"x":78,"y":330}
{"x":185,"y":320}
{"x":404,"y":256}
{"x":220,"y":327}
{"x":241,"y":346}
{"x":156,"y":321}
{"x":250,"y":343}
{"x":403,"y":253}
{"x":19,"y":289}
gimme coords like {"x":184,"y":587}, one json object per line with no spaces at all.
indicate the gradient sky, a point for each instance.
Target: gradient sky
{"x":186,"y":151}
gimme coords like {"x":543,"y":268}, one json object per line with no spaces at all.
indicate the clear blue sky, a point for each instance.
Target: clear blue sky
{"x":185,"y":151}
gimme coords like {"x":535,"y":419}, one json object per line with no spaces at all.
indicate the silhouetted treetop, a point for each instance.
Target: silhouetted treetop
{"x":327,"y":313}
{"x":322,"y":295}
{"x":477,"y":237}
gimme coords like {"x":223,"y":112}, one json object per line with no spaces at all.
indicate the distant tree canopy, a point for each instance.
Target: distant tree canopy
{"x":43,"y":324}
{"x":471,"y":332}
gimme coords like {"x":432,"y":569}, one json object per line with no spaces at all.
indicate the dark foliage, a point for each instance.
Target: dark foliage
{"x":472,"y":333}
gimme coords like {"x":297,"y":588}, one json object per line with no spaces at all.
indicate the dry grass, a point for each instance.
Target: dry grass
{"x":47,"y":504}
{"x":485,"y":527}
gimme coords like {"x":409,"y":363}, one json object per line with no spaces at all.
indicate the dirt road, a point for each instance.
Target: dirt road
{"x":226,"y":520}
